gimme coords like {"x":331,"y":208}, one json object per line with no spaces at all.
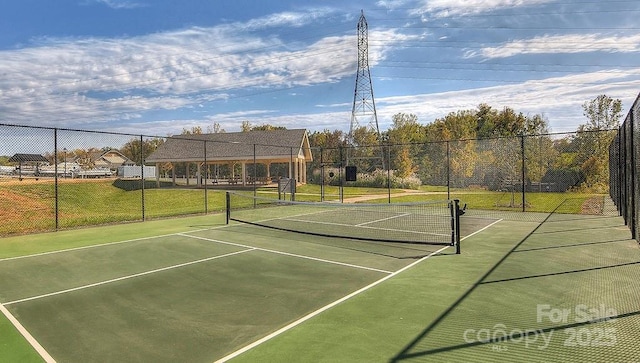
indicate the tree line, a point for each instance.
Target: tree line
{"x":475,"y":146}
{"x":482,"y":146}
{"x":485,"y":146}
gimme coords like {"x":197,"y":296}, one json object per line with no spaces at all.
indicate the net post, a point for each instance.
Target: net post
{"x":228,"y":204}
{"x":457,"y":213}
{"x":452,"y":214}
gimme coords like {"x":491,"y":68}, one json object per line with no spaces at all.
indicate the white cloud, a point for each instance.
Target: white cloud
{"x":567,"y":44}
{"x":447,"y":8}
{"x":64,"y":76}
{"x":120,"y":4}
{"x":393,"y":4}
{"x":110,"y":78}
{"x":94,"y":81}
{"x":560,"y":99}
{"x":287,"y":19}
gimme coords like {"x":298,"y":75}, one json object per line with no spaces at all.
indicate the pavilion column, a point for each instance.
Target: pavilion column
{"x":157,"y":175}
{"x":187,"y":173}
{"x":173,"y":173}
{"x":303,"y":166}
{"x":199,"y":174}
{"x":296,"y":171}
{"x":268,"y":172}
{"x":244,"y":174}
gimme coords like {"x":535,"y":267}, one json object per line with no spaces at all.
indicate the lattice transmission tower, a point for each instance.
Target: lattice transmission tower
{"x":363,"y":113}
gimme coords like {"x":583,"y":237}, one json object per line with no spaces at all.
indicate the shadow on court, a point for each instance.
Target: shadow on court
{"x":512,"y":312}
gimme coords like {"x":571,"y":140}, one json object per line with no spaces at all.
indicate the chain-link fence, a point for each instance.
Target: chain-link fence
{"x":564,"y":172}
{"x":54,"y":178}
{"x":624,"y":154}
{"x":58,"y":178}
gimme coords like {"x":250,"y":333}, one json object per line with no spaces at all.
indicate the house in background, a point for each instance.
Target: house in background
{"x":109,"y":159}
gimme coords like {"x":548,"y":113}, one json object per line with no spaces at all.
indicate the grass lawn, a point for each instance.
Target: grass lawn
{"x":30,"y":207}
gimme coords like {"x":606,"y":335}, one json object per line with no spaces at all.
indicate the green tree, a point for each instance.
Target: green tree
{"x":454,"y":126}
{"x":507,"y":122}
{"x":405,"y":129}
{"x":602,"y":113}
{"x":134,"y":148}
{"x":485,"y":117}
{"x":326,"y":147}
{"x":539,"y":156}
{"x":405,"y":134}
{"x":536,"y":125}
{"x":327,"y":139}
{"x":459,"y":130}
{"x":84,"y":157}
{"x":196,"y":130}
{"x":593,"y":138}
{"x":365,"y":151}
{"x":216,"y":128}
{"x":267,"y":127}
{"x":538,"y":148}
{"x":246,"y":126}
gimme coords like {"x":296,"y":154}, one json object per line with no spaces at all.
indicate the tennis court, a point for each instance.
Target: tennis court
{"x":190,"y":296}
{"x":202,"y":291}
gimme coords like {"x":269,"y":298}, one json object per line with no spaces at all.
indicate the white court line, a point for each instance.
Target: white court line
{"x":103,"y":244}
{"x":290,"y":254}
{"x":481,"y":229}
{"x":34,"y":343}
{"x":322,"y":309}
{"x":128,"y":277}
{"x":331,"y":305}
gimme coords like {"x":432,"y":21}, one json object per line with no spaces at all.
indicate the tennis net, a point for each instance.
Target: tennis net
{"x":435,"y":223}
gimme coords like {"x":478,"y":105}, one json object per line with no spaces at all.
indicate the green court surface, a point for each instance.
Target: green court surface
{"x":527,"y":287}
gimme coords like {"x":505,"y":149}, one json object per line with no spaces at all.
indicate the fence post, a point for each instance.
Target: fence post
{"x":55,"y":177}
{"x":457,"y":213}
{"x":448,"y":171}
{"x":388,"y":170}
{"x":632,"y":177}
{"x":142,"y":175}
{"x":321,"y":175}
{"x":619,"y":173}
{"x":340,"y":165}
{"x":206,"y":176}
{"x":523,"y":172}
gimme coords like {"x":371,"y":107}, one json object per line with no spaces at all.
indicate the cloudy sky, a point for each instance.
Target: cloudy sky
{"x":158,"y":66}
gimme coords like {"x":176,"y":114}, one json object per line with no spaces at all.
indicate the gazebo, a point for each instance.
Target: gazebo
{"x":28,"y":159}
{"x":289,"y":147}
